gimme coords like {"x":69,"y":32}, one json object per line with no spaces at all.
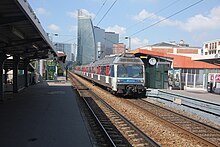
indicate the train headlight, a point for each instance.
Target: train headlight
{"x":118,"y":81}
{"x":142,"y":81}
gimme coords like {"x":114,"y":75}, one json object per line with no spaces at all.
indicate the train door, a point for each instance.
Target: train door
{"x":107,"y":74}
{"x":92,"y":72}
{"x":113,"y":77}
{"x":99,"y":72}
{"x":87,"y":71}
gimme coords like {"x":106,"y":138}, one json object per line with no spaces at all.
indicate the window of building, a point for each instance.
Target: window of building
{"x":206,"y":45}
{"x":215,"y":45}
{"x":219,"y":43}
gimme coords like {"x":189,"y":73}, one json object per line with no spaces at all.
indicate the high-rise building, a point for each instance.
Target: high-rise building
{"x":119,"y":48}
{"x":86,"y":42}
{"x":93,"y":42}
{"x":110,"y":39}
{"x":105,"y":40}
{"x":66,"y":48}
{"x":100,"y":41}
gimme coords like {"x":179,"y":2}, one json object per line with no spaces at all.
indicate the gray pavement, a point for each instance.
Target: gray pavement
{"x":202,"y":95}
{"x":43,"y":115}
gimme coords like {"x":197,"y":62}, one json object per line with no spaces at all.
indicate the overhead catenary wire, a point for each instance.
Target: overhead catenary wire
{"x":150,"y":16}
{"x":167,"y":17}
{"x":103,"y":16}
{"x":107,"y":12}
{"x":99,"y":10}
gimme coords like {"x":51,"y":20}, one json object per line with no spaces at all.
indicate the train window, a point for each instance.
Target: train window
{"x":134,"y":71}
{"x":103,"y":68}
{"x":96,"y":70}
{"x":112,"y":71}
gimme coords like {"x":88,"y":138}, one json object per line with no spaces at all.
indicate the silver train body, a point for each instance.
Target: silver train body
{"x":120,"y":74}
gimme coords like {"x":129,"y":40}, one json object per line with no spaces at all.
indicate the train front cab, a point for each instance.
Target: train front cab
{"x":129,"y":79}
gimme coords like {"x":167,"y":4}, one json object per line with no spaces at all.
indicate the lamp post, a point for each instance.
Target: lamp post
{"x":50,"y":35}
{"x":129,"y":42}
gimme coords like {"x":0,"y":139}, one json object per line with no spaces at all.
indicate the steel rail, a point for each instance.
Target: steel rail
{"x":178,"y":120}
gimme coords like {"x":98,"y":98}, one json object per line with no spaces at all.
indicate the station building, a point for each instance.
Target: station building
{"x":164,"y":70}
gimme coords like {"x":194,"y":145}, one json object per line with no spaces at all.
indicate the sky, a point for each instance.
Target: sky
{"x":146,"y":22}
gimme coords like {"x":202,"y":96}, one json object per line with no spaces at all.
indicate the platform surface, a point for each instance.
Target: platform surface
{"x":201,"y":95}
{"x":43,"y":115}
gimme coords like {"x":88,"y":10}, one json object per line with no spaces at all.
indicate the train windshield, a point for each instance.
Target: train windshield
{"x":133,"y":71}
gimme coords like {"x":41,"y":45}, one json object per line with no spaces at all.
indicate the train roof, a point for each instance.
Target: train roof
{"x":118,"y":59}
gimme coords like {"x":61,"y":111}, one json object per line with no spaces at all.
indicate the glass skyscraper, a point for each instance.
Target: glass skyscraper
{"x":107,"y":39}
{"x":86,"y":42}
{"x":66,"y":48}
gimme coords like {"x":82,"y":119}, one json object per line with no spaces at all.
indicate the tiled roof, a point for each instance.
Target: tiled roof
{"x":178,"y":60}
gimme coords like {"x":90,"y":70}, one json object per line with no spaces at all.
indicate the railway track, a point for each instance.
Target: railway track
{"x":116,"y":130}
{"x":203,"y":132}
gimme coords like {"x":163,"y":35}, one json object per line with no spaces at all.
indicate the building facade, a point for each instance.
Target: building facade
{"x":211,"y":47}
{"x":175,"y":48}
{"x":66,"y":48}
{"x":119,"y":48}
{"x":175,"y":70}
{"x":86,"y":41}
{"x":104,"y":41}
{"x":93,"y":42}
{"x":110,"y":39}
{"x":100,"y":41}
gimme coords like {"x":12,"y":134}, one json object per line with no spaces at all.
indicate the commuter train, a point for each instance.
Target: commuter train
{"x":120,"y":74}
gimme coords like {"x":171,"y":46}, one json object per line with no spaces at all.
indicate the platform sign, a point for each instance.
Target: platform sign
{"x":217,"y":78}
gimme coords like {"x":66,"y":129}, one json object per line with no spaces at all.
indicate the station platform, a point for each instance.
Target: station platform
{"x":196,"y":94}
{"x":43,"y":115}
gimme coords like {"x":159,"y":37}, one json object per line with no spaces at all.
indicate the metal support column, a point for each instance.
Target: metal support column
{"x":15,"y":73}
{"x":26,"y":63}
{"x":66,"y":73}
{"x":3,"y":57}
{"x":6,"y":76}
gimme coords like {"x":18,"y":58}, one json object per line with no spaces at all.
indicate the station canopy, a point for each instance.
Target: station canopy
{"x":21,"y":33}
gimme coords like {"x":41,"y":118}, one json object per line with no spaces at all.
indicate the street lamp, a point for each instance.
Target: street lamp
{"x":50,"y":35}
{"x":129,"y":42}
{"x":100,"y":53}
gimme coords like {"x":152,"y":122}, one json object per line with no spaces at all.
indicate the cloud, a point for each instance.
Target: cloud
{"x":73,"y":29}
{"x":136,"y":42}
{"x":73,"y":14}
{"x":54,"y":28}
{"x":200,"y":22}
{"x":42,"y":11}
{"x":146,"y":1}
{"x":117,"y":29}
{"x":143,"y":14}
{"x":85,"y":12}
